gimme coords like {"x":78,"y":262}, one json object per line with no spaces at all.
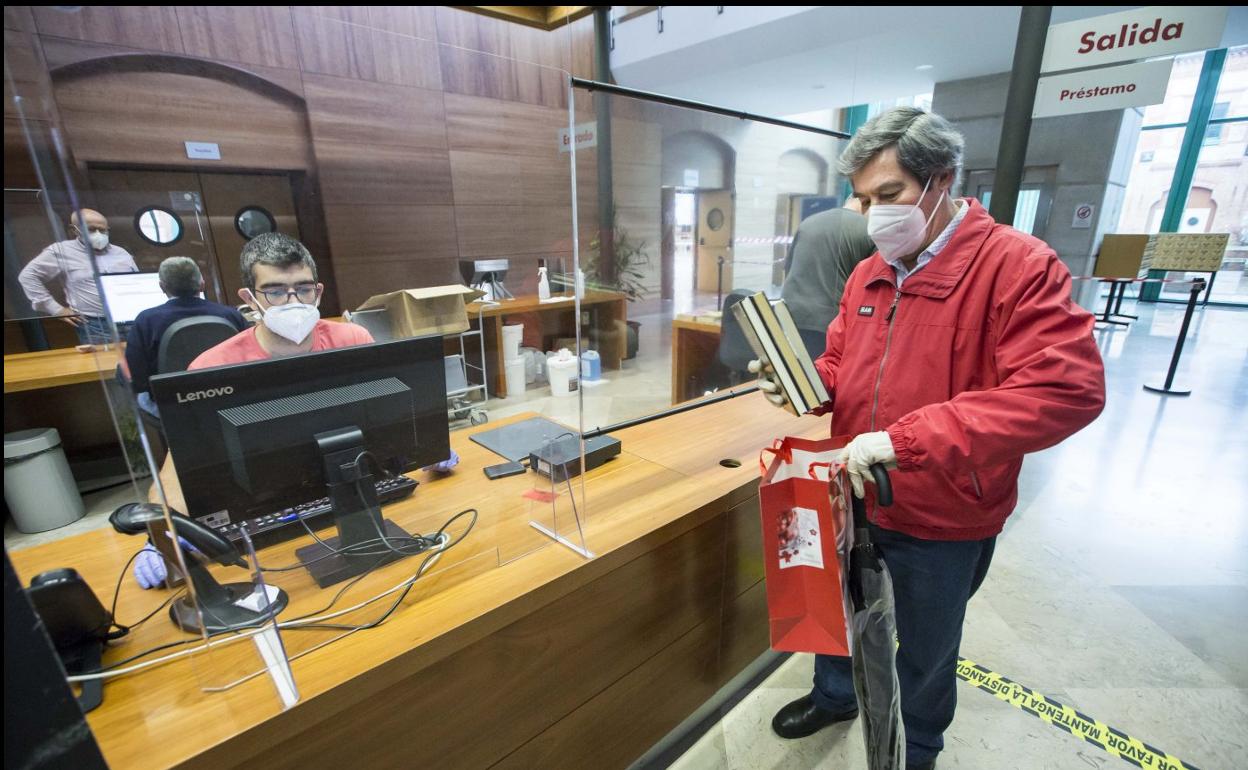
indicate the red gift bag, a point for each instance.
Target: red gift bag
{"x":805,"y":540}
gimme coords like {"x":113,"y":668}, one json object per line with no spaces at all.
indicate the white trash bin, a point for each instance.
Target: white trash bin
{"x":38,"y":488}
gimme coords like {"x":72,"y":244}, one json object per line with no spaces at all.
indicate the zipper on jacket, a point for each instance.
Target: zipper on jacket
{"x":975,"y":480}
{"x":892,"y":313}
{"x":879,"y":379}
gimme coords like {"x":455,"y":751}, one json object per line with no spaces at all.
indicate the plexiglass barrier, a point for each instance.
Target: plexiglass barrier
{"x":313,"y":475}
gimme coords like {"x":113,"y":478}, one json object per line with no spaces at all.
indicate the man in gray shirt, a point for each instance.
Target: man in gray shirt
{"x":73,"y":265}
{"x":825,"y":250}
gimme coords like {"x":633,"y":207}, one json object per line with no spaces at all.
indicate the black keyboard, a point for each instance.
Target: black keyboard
{"x":284,"y":525}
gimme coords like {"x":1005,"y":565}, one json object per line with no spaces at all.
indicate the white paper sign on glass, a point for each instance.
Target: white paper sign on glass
{"x":1112,"y":88}
{"x":1156,"y":30}
{"x":203,"y":150}
{"x":586,"y":136}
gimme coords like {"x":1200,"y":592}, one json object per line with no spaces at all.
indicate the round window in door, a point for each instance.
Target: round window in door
{"x":715,"y":219}
{"x":251,"y":221}
{"x":158,"y":226}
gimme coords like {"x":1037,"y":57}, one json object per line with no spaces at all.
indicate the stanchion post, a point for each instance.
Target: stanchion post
{"x":1109,"y":306}
{"x":1198,"y":286}
{"x":719,"y":285}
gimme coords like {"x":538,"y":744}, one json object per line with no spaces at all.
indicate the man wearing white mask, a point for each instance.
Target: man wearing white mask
{"x":72,"y":266}
{"x":956,"y":351}
{"x":279,"y":276}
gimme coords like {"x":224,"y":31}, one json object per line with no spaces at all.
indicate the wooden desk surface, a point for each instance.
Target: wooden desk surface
{"x":527,"y":304}
{"x":666,"y":484}
{"x":54,"y":368}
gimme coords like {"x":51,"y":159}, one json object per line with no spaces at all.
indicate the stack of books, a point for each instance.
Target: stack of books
{"x":775,"y":340}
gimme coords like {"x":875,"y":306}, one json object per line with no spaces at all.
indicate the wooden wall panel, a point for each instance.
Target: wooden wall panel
{"x":606,"y":731}
{"x":515,"y":63}
{"x":30,"y":81}
{"x":329,"y":46}
{"x":500,"y":692}
{"x":150,"y":27}
{"x":415,"y":21}
{"x":59,"y":52}
{"x":483,"y":178}
{"x":382,"y":174}
{"x":746,"y":631}
{"x":250,"y":34}
{"x":371,"y":113}
{"x":362,"y":279}
{"x":488,"y":231}
{"x":253,"y":132}
{"x":510,"y":128}
{"x":19,"y":17}
{"x":406,"y":61}
{"x":373,"y":233}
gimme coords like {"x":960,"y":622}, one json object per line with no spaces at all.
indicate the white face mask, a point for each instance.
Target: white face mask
{"x":293,"y":321}
{"x":97,"y":241}
{"x":898,"y":230}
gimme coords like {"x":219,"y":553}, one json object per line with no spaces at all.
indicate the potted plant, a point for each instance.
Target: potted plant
{"x":628,"y":259}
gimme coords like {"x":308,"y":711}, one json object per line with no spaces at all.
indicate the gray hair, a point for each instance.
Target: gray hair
{"x":180,"y":277}
{"x":274,"y":249}
{"x":926,"y":143}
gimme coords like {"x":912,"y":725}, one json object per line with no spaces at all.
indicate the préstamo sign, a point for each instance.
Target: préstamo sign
{"x":1159,"y":30}
{"x":1110,"y":88}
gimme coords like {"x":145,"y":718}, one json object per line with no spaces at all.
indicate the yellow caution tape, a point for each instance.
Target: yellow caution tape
{"x":1061,"y":716}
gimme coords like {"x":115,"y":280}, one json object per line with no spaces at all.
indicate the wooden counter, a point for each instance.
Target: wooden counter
{"x":515,"y":652}
{"x":695,"y":350}
{"x":56,"y":368}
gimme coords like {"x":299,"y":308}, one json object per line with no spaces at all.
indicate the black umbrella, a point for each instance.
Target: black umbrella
{"x":873,"y":635}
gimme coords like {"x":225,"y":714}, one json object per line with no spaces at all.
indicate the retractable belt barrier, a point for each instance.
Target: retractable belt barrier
{"x":1120,"y":284}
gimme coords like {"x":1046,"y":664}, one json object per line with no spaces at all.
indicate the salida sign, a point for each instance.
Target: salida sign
{"x":1091,"y":41}
{"x":1145,"y":32}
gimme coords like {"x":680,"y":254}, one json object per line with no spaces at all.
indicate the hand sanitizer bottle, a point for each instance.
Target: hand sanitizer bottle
{"x":543,"y":283}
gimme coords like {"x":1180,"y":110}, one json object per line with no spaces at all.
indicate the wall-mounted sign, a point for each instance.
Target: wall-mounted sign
{"x":203,"y":150}
{"x":1159,"y":30}
{"x":1083,"y":216}
{"x":1111,"y":88}
{"x":586,"y":136}
{"x":691,"y":177}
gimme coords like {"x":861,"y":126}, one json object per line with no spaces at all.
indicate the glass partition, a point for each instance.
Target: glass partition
{"x":704,"y":211}
{"x":406,"y":170}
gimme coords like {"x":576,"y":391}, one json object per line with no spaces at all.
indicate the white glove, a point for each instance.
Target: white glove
{"x":866,"y":450}
{"x":768,"y":383}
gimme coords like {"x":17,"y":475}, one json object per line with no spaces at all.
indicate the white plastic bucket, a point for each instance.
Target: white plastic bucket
{"x":513,"y":334}
{"x":515,"y":377}
{"x":562,"y":373}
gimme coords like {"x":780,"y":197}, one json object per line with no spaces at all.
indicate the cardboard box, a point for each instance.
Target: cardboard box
{"x":1121,"y":256}
{"x":421,"y":312}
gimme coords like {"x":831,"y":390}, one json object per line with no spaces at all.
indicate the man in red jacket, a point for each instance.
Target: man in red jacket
{"x":956,"y":351}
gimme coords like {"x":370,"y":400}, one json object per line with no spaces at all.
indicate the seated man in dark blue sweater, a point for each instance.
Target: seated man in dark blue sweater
{"x":182,"y":282}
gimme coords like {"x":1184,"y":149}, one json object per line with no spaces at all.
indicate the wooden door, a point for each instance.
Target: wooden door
{"x":238,"y":203}
{"x":714,"y":238}
{"x":159,"y":214}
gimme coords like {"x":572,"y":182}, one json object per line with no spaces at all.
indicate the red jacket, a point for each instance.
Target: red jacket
{"x":980,"y":358}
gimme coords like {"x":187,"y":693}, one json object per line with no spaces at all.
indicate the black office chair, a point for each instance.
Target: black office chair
{"x":734,"y":353}
{"x":186,"y":339}
{"x":181,"y":344}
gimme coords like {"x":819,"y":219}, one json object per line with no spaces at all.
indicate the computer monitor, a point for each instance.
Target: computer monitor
{"x":128,"y":294}
{"x":255,"y":439}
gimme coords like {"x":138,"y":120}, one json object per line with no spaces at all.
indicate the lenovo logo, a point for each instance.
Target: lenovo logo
{"x":200,"y":395}
{"x":1129,"y":35}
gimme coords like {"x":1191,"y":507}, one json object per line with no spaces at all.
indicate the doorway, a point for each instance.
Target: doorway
{"x":207,"y":216}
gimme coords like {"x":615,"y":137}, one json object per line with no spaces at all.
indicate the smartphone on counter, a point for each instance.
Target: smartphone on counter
{"x":503,"y":470}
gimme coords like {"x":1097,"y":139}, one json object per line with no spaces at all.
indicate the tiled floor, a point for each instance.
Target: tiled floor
{"x":1120,"y":586}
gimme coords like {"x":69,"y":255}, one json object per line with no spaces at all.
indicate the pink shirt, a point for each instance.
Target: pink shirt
{"x":244,"y":347}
